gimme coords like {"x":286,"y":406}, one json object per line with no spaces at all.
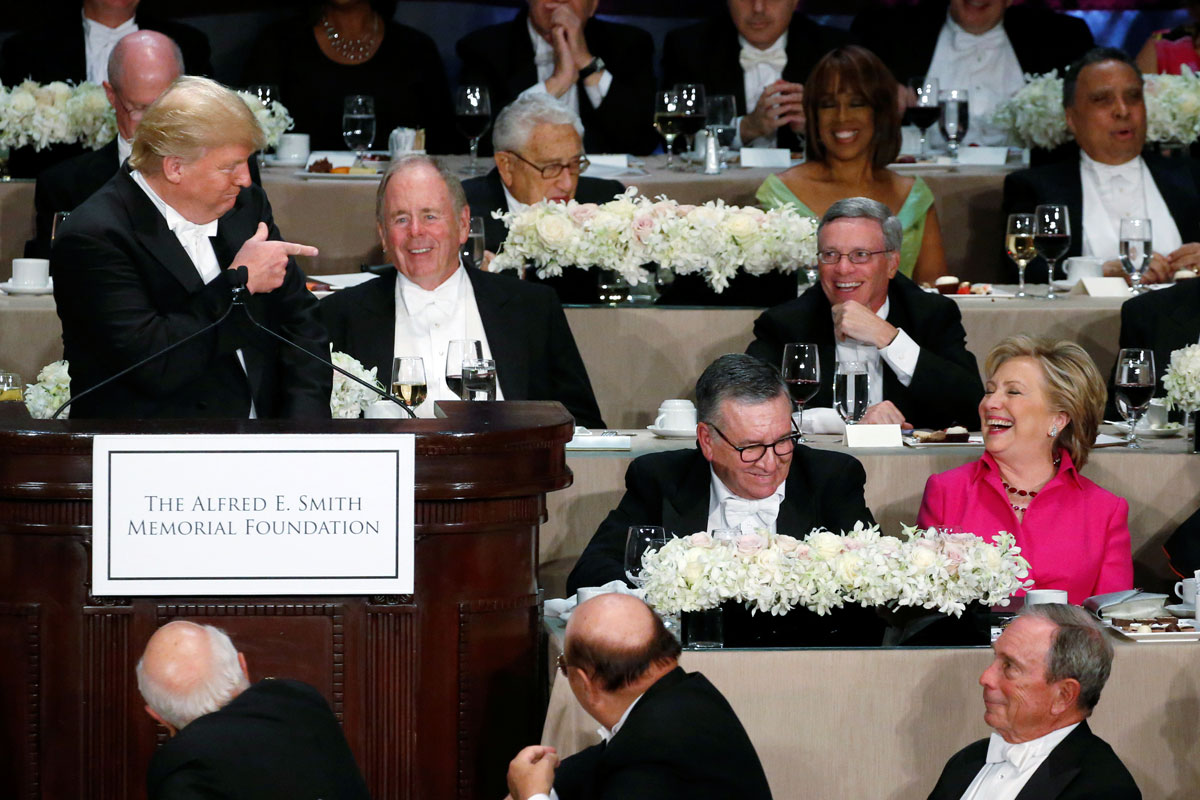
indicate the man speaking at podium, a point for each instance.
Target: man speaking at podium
{"x":148,"y":260}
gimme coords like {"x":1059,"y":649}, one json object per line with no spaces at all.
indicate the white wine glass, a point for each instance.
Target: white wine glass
{"x":640,"y":540}
{"x":408,"y":381}
{"x":1018,"y":241}
{"x":666,"y":121}
{"x":1135,"y":381}
{"x":1136,"y":250}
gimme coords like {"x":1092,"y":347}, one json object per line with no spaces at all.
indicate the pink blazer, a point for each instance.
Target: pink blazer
{"x":1075,"y":535}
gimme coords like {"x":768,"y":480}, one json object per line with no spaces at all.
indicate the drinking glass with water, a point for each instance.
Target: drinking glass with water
{"x":850,"y":390}
{"x":479,"y":379}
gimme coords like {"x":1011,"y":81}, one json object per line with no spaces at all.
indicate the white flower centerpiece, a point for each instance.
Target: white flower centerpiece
{"x":349,"y":400}
{"x":273,"y":117}
{"x":775,"y":573}
{"x":53,"y":388}
{"x":631,"y":231}
{"x":1182,"y":382}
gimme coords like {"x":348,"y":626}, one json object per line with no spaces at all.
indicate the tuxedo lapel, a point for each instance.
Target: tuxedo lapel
{"x":373,"y":328}
{"x":520,"y":52}
{"x":1185,"y":316}
{"x":685,"y":510}
{"x":150,"y":228}
{"x":1060,"y":767}
{"x":506,"y":333}
{"x":494,"y":231}
{"x":1178,"y":192}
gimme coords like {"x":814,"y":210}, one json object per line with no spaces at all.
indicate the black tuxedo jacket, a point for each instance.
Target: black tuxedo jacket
{"x":1177,"y":179}
{"x":945,"y":389}
{"x":708,"y":52}
{"x":905,"y":37}
{"x":707,"y":754}
{"x":501,"y":58}
{"x":1082,"y":767}
{"x":1183,"y":547}
{"x":1164,"y":321}
{"x":125,"y":289}
{"x":535,"y":353}
{"x":277,"y":740}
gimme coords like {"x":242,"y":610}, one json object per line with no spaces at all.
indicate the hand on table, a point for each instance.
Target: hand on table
{"x":266,"y":259}
{"x":1186,"y":257}
{"x":781,"y":104}
{"x":853,"y":320}
{"x":885,"y":413}
{"x":1159,"y":269}
{"x":532,"y":772}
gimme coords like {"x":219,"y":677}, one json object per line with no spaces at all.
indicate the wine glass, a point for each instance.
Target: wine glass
{"x":1018,"y":240}
{"x":408,"y":381}
{"x":693,"y":109}
{"x":955,"y":115}
{"x":850,"y":390}
{"x":666,"y":121}
{"x":358,"y":124}
{"x":924,"y":112}
{"x":472,"y":116}
{"x":801,"y":371}
{"x":720,"y":113}
{"x":479,"y":379}
{"x":265,"y":92}
{"x":10,"y":387}
{"x":474,"y":247}
{"x":1135,"y":386}
{"x":1051,"y":238}
{"x":457,"y":352}
{"x":1136,"y":250}
{"x":640,"y":540}
{"x":59,"y":218}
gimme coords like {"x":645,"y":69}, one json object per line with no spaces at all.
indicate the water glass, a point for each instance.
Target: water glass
{"x":479,"y":379}
{"x":358,"y":124}
{"x":474,"y":247}
{"x":955,"y":117}
{"x":640,"y":540}
{"x":1136,"y":250}
{"x":721,"y":113}
{"x":851,"y":390}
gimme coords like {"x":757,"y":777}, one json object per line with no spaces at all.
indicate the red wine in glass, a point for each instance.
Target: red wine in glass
{"x":923,"y":117}
{"x":1052,"y":247}
{"x":802,"y":390}
{"x":472,"y":126}
{"x":1135,"y":397}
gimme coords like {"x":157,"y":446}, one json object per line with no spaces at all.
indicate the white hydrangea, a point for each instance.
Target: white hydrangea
{"x":273,"y":117}
{"x":53,"y":388}
{"x":349,"y":400}
{"x":1182,"y":379}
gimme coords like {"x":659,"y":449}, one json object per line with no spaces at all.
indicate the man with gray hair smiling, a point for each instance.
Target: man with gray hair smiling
{"x":1048,"y":669}
{"x":231,"y":739}
{"x":912,"y":343}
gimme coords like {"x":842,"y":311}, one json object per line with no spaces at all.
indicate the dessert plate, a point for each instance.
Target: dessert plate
{"x":1182,"y":610}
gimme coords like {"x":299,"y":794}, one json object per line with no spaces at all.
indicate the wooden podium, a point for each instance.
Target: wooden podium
{"x":436,"y":692}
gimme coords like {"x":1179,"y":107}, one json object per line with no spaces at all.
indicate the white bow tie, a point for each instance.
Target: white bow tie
{"x":105,"y":35}
{"x":1130,"y":172}
{"x":192,"y":232}
{"x":989,"y":40}
{"x":433,"y":307}
{"x":774,"y":57}
{"x":1016,"y":754}
{"x":738,"y":510}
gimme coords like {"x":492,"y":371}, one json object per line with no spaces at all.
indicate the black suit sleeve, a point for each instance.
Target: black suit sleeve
{"x":603,"y":559}
{"x":569,"y":383}
{"x":844,"y":497}
{"x":945,"y":388}
{"x":769,"y":339}
{"x":622,"y":122}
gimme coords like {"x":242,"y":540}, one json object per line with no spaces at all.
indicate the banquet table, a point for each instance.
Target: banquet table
{"x":338,"y":215}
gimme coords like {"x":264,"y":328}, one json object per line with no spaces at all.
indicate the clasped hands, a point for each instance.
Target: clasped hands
{"x":853,"y":320}
{"x":570,"y":50}
{"x":266,"y":260}
{"x":781,"y":103}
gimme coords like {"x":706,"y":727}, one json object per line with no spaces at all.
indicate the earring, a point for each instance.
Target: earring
{"x":1053,"y":431}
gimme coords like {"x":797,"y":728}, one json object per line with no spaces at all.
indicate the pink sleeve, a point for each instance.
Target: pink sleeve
{"x":1116,"y":571}
{"x":932,"y":511}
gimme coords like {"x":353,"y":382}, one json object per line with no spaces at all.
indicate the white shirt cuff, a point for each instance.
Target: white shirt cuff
{"x":901,"y":355}
{"x":822,"y":420}
{"x":597,"y":93}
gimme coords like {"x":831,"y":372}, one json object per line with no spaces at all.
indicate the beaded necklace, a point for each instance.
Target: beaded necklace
{"x":1030,"y":493}
{"x":353,"y":50}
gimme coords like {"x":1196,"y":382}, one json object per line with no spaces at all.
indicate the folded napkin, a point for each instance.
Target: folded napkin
{"x":822,"y":420}
{"x":1131,"y":604}
{"x":561,"y":608}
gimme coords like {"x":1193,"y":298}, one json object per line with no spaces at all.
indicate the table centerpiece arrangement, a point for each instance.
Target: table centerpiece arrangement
{"x":1182,"y":382}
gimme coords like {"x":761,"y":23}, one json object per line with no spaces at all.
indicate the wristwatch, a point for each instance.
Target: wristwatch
{"x":591,"y":68}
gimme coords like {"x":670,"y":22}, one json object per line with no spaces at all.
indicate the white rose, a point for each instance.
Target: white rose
{"x":848,"y":567}
{"x":554,"y":230}
{"x":826,"y":544}
{"x":923,"y":558}
{"x":22,"y":101}
{"x":700,"y":539}
{"x":786,"y":544}
{"x":744,"y":225}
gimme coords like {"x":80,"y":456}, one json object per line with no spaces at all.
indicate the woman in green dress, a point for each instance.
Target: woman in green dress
{"x":853,"y":129}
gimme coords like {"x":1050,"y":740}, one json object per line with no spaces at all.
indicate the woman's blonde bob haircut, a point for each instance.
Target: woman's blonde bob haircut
{"x":1073,"y":387}
{"x":191,"y":116}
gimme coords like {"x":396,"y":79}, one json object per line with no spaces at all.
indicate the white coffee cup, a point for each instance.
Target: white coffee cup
{"x":1185,"y":590}
{"x":384,"y":409}
{"x":676,"y":415}
{"x":586,"y":593}
{"x":1156,"y":414}
{"x":31,"y":272}
{"x":1039,"y":596}
{"x":292,"y":147}
{"x":1079,"y":267}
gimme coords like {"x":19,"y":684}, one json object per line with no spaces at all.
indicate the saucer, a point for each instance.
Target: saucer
{"x":1146,"y":432}
{"x":1182,"y":610}
{"x":276,"y":161}
{"x":8,"y":288}
{"x":667,"y":433}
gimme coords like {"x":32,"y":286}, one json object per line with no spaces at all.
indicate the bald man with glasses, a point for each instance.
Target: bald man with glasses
{"x":862,"y":309}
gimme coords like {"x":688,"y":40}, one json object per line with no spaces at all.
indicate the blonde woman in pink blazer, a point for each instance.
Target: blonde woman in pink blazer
{"x":1042,"y":403}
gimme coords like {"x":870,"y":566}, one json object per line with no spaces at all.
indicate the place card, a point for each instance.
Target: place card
{"x":983,"y":156}
{"x":620,"y":160}
{"x":873,"y":436}
{"x":772,"y":157}
{"x":1102,"y":287}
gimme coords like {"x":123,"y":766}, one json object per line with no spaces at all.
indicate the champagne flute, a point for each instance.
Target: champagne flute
{"x":358,"y":124}
{"x":472,"y":116}
{"x":1136,"y":250}
{"x":1018,"y":240}
{"x":1051,"y":238}
{"x":721,"y":111}
{"x":850,"y":390}
{"x":458,"y":352}
{"x":694,"y":112}
{"x":640,"y":540}
{"x":1135,"y":382}
{"x":666,"y":121}
{"x":408,"y":381}
{"x":925,"y":112}
{"x":954,"y":118}
{"x":801,"y":371}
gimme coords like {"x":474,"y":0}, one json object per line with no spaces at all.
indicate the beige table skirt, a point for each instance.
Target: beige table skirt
{"x":881,"y":724}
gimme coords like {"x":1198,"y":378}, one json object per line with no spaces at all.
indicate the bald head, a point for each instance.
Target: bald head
{"x":613,"y":622}
{"x":619,"y":640}
{"x":140,"y":68}
{"x":189,"y":670}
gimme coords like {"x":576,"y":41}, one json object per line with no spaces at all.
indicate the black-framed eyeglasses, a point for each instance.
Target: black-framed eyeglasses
{"x":550,"y":171}
{"x":561,"y":664}
{"x":754,"y":452}
{"x":855,"y":256}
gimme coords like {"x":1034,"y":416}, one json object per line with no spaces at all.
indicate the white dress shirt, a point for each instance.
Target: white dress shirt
{"x":728,"y":510}
{"x":1111,"y":192}
{"x":1010,"y":766}
{"x":543,"y":57}
{"x":426,"y":322}
{"x":514,"y":205}
{"x":98,"y":43}
{"x":124,"y":149}
{"x":986,"y":66}
{"x":197,"y":243}
{"x":760,"y":68}
{"x":605,"y":734}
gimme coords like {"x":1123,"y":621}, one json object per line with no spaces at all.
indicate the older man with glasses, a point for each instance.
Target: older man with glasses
{"x":912,"y":342}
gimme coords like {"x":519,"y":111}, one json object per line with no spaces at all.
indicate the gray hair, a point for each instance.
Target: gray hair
{"x":515,"y":124}
{"x":458,"y":198}
{"x":224,"y":681}
{"x":1079,"y":650}
{"x":739,"y":377}
{"x":1096,"y":55}
{"x":866,"y":208}
{"x":147,"y":40}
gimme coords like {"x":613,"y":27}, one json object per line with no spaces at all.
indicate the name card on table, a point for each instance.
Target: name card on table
{"x":773,"y":157}
{"x":1102,"y":287}
{"x":873,"y":436}
{"x":252,"y":514}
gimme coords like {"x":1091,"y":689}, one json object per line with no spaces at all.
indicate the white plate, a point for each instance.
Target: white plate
{"x":276,"y":161}
{"x":1163,"y":636}
{"x":8,"y":288}
{"x":925,"y":168}
{"x":973,"y":439}
{"x":1144,"y":432}
{"x":1182,"y":610}
{"x":665,"y":433}
{"x":305,"y":175}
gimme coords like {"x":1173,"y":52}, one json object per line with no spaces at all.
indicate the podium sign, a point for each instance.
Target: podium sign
{"x":252,"y":514}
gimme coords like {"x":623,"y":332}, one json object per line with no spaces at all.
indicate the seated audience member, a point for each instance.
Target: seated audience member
{"x":233,"y":739}
{"x":141,"y":67}
{"x":146,"y":262}
{"x":1042,"y":404}
{"x":1106,"y":111}
{"x":984,"y":46}
{"x":759,"y":52}
{"x":1047,"y":671}
{"x":601,"y":70}
{"x":337,"y":49}
{"x":667,"y":733}
{"x":423,"y":220}
{"x":853,"y":134}
{"x":1183,"y":547}
{"x":538,"y":153}
{"x":913,"y":342}
{"x":747,"y":471}
{"x":1166,"y":52}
